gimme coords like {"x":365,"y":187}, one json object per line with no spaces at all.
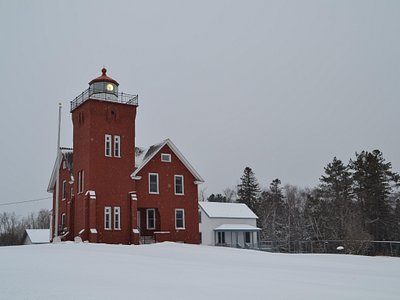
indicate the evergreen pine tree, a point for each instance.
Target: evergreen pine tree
{"x":336,"y":191}
{"x":373,"y":179}
{"x":248,"y":190}
{"x":279,"y":213}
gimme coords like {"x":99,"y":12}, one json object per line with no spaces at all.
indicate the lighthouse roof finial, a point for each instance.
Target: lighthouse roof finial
{"x":104,"y":78}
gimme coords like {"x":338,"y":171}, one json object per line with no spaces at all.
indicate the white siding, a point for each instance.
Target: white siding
{"x":208,"y":224}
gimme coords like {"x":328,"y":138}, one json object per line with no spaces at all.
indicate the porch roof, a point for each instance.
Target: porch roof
{"x":236,"y":227}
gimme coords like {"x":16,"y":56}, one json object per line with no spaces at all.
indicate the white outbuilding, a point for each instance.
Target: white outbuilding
{"x":36,"y":236}
{"x":227,"y":224}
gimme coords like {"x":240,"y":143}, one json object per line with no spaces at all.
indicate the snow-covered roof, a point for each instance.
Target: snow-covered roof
{"x":236,"y":227}
{"x":144,"y":155}
{"x":38,"y":236}
{"x":227,"y":210}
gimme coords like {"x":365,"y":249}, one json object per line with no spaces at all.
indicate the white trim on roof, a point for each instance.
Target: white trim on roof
{"x":176,"y":151}
{"x":56,"y":167}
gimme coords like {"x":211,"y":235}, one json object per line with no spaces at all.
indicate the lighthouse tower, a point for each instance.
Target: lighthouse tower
{"x":108,"y":190}
{"x":103,"y":160}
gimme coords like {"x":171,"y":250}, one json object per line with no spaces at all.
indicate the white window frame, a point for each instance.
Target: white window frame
{"x":107,"y":145}
{"x":147,"y":219}
{"x":158,"y":184}
{"x":107,"y":215}
{"x":117,"y":146}
{"x":183,"y":184}
{"x":64,"y":190}
{"x":165,"y":157}
{"x":117,"y":218}
{"x":176,"y":218}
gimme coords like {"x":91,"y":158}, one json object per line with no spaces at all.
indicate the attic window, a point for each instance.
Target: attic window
{"x":165,"y":157}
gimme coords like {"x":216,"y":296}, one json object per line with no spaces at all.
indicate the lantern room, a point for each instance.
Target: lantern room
{"x":104,"y":88}
{"x":104,"y":84}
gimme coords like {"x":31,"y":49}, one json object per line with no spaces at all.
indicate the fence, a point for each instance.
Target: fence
{"x":359,"y":247}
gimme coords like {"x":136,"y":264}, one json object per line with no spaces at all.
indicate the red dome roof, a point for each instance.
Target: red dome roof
{"x":104,"y":78}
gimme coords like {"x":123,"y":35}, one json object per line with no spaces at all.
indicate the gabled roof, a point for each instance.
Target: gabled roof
{"x":144,"y":155}
{"x":64,"y":154}
{"x":227,"y":210}
{"x":38,"y":236}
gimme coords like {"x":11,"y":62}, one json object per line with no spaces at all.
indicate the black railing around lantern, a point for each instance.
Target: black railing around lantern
{"x":91,"y":93}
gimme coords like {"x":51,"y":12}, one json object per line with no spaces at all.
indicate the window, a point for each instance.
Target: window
{"x":64,"y":190}
{"x":200,"y":238}
{"x":221,"y":237}
{"x":165,"y":157}
{"x":179,"y":219}
{"x":178,"y":184}
{"x":63,"y":224}
{"x":79,"y":182}
{"x":117,"y":220}
{"x":153,"y":183}
{"x":82,"y":181}
{"x":72,"y":192}
{"x":107,"y":218}
{"x":247,"y":237}
{"x":151,"y":219}
{"x":117,"y":146}
{"x":199,"y":216}
{"x":64,"y":165}
{"x":107,"y":145}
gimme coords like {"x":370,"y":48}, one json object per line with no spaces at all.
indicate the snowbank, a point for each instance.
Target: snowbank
{"x":178,"y":271}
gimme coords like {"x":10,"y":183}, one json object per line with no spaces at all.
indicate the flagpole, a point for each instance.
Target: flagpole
{"x":58,"y":174}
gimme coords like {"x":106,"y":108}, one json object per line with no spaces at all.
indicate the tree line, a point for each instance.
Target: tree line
{"x":12,"y":228}
{"x":359,"y":200}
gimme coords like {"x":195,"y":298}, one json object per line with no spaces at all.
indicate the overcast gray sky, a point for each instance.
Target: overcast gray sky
{"x":280,"y":86}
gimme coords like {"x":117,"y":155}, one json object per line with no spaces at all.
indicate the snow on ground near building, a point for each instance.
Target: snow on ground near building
{"x":178,"y":271}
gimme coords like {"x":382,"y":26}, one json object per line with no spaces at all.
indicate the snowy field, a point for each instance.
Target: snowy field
{"x":177,"y":271}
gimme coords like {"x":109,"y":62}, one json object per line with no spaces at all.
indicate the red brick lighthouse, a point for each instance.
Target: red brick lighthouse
{"x":112,"y":191}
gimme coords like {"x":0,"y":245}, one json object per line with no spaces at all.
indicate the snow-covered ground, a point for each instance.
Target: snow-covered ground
{"x":177,"y":271}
